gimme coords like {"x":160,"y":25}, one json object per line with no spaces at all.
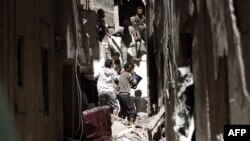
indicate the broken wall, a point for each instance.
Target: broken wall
{"x":212,"y":38}
{"x":161,"y":60}
{"x":220,"y":67}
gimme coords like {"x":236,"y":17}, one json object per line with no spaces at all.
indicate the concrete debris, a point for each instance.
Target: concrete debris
{"x":185,"y":80}
{"x":117,"y":127}
{"x":141,"y":116}
{"x":122,"y":133}
{"x":144,"y":128}
{"x":116,"y":118}
{"x":183,"y":114}
{"x":190,"y":132}
{"x":140,"y":130}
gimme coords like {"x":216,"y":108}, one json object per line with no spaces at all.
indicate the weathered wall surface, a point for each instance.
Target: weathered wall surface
{"x":222,"y":66}
{"x":108,"y":7}
{"x":25,"y":22}
{"x":32,"y":32}
{"x":161,"y":60}
{"x":212,"y":37}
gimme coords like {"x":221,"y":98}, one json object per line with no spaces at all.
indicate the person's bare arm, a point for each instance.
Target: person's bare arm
{"x":133,"y":22}
{"x":110,"y":26}
{"x":118,"y":32}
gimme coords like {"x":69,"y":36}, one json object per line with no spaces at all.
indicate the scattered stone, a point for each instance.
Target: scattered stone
{"x":118,"y":127}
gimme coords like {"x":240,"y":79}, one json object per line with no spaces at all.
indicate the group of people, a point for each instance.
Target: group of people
{"x":114,"y":90}
{"x":117,"y":77}
{"x":132,"y":34}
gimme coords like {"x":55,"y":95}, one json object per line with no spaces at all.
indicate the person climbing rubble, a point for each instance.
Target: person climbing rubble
{"x":107,"y":88}
{"x":116,"y":60}
{"x":128,"y":35}
{"x":140,"y":105}
{"x":126,"y":80}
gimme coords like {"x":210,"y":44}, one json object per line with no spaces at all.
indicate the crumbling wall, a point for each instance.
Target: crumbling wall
{"x":161,"y":60}
{"x":220,"y":64}
{"x":239,"y":78}
{"x":212,"y":38}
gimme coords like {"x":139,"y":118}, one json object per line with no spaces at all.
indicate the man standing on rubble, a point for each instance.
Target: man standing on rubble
{"x":106,"y":87}
{"x":139,"y":23}
{"x":126,"y":81}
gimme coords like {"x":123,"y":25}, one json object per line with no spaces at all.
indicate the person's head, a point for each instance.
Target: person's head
{"x":132,"y":66}
{"x":118,"y":69}
{"x":128,"y":67}
{"x":116,"y":56}
{"x":100,"y":13}
{"x":138,"y":93}
{"x":139,"y":11}
{"x":108,"y":63}
{"x":125,"y":23}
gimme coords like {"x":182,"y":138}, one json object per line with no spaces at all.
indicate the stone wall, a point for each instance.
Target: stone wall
{"x":212,"y":38}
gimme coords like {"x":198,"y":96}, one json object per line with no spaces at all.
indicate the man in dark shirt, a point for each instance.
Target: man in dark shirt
{"x":128,"y":35}
{"x":102,"y":27}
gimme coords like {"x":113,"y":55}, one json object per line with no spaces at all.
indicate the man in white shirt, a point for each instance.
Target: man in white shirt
{"x":106,"y":86}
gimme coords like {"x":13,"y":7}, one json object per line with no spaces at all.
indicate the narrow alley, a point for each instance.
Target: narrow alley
{"x":124,"y":70}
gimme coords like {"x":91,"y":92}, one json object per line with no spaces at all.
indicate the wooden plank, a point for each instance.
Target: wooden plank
{"x":157,"y":126}
{"x":156,"y":119}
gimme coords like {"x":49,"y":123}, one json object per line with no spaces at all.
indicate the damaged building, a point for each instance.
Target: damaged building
{"x":211,"y":38}
{"x":197,"y":69}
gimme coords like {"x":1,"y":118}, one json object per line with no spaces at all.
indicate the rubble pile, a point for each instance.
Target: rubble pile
{"x":149,"y":128}
{"x":183,"y":114}
{"x":120,"y":132}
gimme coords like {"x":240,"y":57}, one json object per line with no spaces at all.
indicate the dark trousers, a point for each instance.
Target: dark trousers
{"x":127,"y":106}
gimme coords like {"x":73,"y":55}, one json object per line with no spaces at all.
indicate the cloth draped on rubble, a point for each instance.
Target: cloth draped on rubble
{"x":97,"y":124}
{"x":100,"y":125}
{"x":183,"y":114}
